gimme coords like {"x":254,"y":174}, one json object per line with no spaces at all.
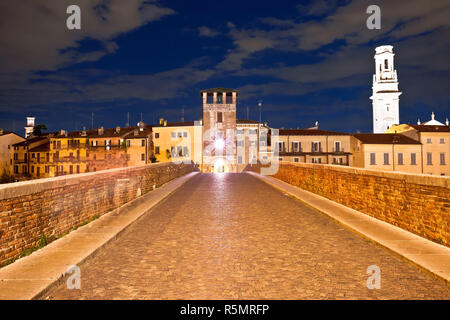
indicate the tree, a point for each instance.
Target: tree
{"x":37,"y":130}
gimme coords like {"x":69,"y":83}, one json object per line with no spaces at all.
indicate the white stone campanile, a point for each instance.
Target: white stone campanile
{"x":385,"y":94}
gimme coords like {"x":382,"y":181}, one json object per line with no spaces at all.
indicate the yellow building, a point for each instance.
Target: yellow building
{"x":181,"y":141}
{"x":7,"y":140}
{"x":23,"y":165}
{"x":315,"y":146}
{"x":435,"y":140}
{"x":389,"y":152}
{"x":67,"y":154}
{"x":139,"y":146}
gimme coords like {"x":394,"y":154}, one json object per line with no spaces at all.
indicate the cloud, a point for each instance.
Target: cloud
{"x":34,"y":35}
{"x":204,"y":31}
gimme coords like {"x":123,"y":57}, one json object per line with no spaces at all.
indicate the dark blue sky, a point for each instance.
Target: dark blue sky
{"x":307,"y":60}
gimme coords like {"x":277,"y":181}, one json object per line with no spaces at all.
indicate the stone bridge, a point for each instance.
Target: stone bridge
{"x":169,"y":232}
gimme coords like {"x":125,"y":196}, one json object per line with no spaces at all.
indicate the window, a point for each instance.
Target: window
{"x":33,"y":155}
{"x":78,"y":169}
{"x":38,"y":171}
{"x":32,"y":169}
{"x":240,"y":143}
{"x":295,"y":146}
{"x":47,"y":156}
{"x":316,"y":147}
{"x":16,"y":156}
{"x":429,"y":159}
{"x":94,"y":143}
{"x":372,"y":159}
{"x":428,"y":140}
{"x":156,"y":150}
{"x":386,"y":158}
{"x":281,"y":147}
{"x":240,"y":131}
{"x":400,"y":158}
{"x":142,"y":143}
{"x":180,"y":134}
{"x":95,"y":156}
{"x":219,"y":117}
{"x":38,"y":157}
{"x":295,"y":159}
{"x":337,"y":146}
{"x":185,"y":151}
{"x":185,"y":134}
{"x":239,"y":159}
{"x":156,"y":135}
{"x":16,"y":169}
{"x":442,"y":141}
{"x":174,"y":134}
{"x":142,"y":156}
{"x":386,"y":64}
{"x":442,"y":158}
{"x":413,"y":159}
{"x":47,"y":170}
{"x":71,"y":169}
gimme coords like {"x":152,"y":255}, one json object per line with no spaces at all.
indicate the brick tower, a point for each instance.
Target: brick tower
{"x":219,"y":130}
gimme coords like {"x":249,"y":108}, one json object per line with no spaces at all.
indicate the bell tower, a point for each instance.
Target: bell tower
{"x":219,"y":130}
{"x":385,"y":93}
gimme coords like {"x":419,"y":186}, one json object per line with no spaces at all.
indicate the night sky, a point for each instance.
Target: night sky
{"x":306,"y":60}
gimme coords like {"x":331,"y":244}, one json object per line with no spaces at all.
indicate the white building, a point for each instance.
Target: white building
{"x":30,"y":126}
{"x":385,"y":94}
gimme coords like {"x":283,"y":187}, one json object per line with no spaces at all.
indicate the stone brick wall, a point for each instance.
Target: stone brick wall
{"x":54,"y":206}
{"x":414,"y":202}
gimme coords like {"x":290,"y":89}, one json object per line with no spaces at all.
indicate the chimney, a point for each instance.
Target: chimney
{"x":165,"y":123}
{"x":418,"y":121}
{"x":101,"y":130}
{"x":161,"y":121}
{"x":1,"y":131}
{"x":141,"y":125}
{"x":62,"y":132}
{"x":117,"y":129}
{"x":446,"y":121}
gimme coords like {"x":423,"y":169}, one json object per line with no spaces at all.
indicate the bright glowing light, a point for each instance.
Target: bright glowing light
{"x":219,"y":144}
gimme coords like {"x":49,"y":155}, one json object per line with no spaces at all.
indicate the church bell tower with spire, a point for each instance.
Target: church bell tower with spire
{"x":385,"y":93}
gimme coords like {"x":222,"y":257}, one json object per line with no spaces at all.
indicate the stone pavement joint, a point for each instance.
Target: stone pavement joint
{"x":423,"y":253}
{"x":32,"y":276}
{"x":232,"y":236}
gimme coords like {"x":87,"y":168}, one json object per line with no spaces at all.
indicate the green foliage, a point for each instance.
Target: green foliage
{"x":37,"y":130}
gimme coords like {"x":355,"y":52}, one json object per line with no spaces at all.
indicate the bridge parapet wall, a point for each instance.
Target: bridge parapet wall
{"x":52,"y":207}
{"x":414,"y":202}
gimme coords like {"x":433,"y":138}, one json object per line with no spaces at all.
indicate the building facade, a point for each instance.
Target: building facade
{"x":219,"y":130}
{"x":435,"y":141}
{"x":315,"y":146}
{"x":388,"y":152}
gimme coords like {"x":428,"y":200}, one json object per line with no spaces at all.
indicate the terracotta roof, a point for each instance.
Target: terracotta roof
{"x":107,"y":133}
{"x":384,"y":138}
{"x":310,"y":132}
{"x":42,"y":148}
{"x":246,"y":121}
{"x":30,"y":140}
{"x":176,"y":124}
{"x":425,"y":128}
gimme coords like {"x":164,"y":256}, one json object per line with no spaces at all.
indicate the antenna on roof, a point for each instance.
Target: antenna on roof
{"x":128,"y":119}
{"x":92,"y":120}
{"x":141,"y":117}
{"x":182,"y":114}
{"x":248,"y":109}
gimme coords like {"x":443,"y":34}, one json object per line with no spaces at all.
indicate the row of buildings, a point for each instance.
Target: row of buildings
{"x":221,"y":143}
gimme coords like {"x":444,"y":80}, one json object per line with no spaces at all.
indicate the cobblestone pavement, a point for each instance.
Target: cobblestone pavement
{"x":231,"y":236}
